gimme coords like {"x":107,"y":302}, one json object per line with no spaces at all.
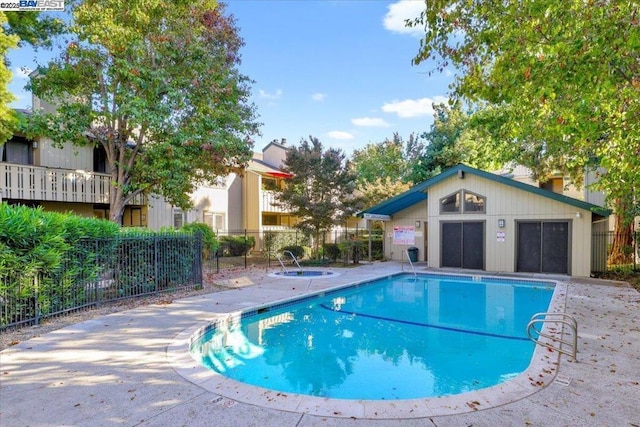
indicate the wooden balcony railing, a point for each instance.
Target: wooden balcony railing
{"x":269,"y":202}
{"x":28,"y":182}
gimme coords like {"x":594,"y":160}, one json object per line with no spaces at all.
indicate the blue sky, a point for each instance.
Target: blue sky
{"x":338,"y":70}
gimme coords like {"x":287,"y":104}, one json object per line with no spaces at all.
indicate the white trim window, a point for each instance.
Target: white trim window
{"x":215,"y":220}
{"x":463,"y":201}
{"x":179,"y":218}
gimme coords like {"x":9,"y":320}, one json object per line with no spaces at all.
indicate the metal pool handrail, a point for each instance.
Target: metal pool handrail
{"x":555,"y":341}
{"x":282,"y":263}
{"x":406,"y":252}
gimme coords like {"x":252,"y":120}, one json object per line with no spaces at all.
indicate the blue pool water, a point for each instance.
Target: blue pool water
{"x":304,"y":273}
{"x":399,"y":337}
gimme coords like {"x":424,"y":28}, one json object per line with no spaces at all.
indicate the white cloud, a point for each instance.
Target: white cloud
{"x":399,"y":12}
{"x":21,"y":72}
{"x":319,"y":97}
{"x":375,"y":122}
{"x":413,"y":107}
{"x":339,"y":134}
{"x":264,"y":94}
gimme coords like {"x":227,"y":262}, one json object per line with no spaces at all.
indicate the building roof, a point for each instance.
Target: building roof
{"x":419,"y":193}
{"x":264,"y":168}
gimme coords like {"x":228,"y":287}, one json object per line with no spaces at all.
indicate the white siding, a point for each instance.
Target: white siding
{"x":160,"y":213}
{"x":67,"y":157}
{"x":407,"y":217}
{"x":511,"y":204}
{"x":502,"y":202}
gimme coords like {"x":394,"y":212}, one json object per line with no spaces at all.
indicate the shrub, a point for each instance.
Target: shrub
{"x":331,"y":251}
{"x":237,"y":245}
{"x":209,"y":242}
{"x":296,"y":250}
{"x":44,"y":250}
{"x":352,"y":249}
{"x":145,"y":261}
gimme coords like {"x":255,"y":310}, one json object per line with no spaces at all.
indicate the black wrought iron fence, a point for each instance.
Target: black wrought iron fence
{"x":268,"y":248}
{"x":626,"y":258}
{"x":97,"y":271}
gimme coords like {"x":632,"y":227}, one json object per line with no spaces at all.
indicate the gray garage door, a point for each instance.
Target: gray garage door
{"x":543,"y":247}
{"x":462,"y":244}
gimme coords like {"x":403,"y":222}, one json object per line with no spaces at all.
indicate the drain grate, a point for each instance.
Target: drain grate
{"x":564,"y":380}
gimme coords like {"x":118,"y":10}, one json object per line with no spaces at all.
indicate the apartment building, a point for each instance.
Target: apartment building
{"x":242,"y":202}
{"x":76,"y":179}
{"x":34,"y":172}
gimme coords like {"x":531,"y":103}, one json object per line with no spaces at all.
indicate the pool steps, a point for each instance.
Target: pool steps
{"x":552,"y":341}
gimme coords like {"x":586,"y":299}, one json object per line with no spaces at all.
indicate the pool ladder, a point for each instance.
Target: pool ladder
{"x":555,"y":343}
{"x":282,"y":263}
{"x":406,"y":252}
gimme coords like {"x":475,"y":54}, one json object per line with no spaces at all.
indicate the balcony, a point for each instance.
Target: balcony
{"x":269,"y":202}
{"x":28,"y":182}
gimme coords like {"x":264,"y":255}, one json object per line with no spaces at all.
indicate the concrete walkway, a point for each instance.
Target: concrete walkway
{"x":120,"y":369}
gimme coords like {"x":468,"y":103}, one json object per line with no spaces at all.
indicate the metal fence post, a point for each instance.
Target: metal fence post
{"x":35,"y":302}
{"x":155,"y":262}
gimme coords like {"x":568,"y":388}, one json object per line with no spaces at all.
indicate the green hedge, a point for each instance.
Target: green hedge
{"x":42,"y":249}
{"x":209,"y":242}
{"x":52,"y":262}
{"x":296,"y":250}
{"x":236,"y":245}
{"x":331,"y":251}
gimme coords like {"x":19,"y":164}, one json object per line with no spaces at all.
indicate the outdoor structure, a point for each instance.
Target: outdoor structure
{"x":76,"y":179}
{"x":67,"y":179}
{"x":238,"y":202}
{"x":471,"y":219}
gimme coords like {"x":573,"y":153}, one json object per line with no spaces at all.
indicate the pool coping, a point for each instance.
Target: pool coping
{"x":540,"y":373}
{"x":329,"y":274}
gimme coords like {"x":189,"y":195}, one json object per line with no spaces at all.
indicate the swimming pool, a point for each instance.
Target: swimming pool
{"x":400,"y":337}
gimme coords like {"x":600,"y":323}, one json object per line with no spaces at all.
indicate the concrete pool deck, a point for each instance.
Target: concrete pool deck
{"x":128,"y":368}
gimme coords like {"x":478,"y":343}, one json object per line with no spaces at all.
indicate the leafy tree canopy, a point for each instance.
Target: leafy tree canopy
{"x":156,"y":84}
{"x":383,"y":168}
{"x":452,"y":140}
{"x":321,"y":192}
{"x":381,"y":160}
{"x":558,"y":81}
{"x":17,"y":28}
{"x":381,"y":189}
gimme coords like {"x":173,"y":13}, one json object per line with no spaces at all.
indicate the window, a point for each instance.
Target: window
{"x":270,"y":219}
{"x":99,"y":159}
{"x":450,"y":203}
{"x":215,"y":220}
{"x":178,"y":218}
{"x":18,"y":150}
{"x":270,"y":184}
{"x":473,"y":203}
{"x":554,"y":184}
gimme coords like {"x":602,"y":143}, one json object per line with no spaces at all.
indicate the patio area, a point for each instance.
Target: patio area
{"x":120,"y":369}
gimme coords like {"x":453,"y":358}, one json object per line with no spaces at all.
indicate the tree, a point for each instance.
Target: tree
{"x":156,"y":84}
{"x":452,"y":140}
{"x":321,"y":191}
{"x":381,"y":189}
{"x":7,"y":118}
{"x":558,"y":81}
{"x":17,"y":28}
{"x":382,"y":168}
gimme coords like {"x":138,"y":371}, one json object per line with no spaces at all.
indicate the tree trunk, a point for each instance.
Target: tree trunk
{"x":622,"y":247}
{"x":116,"y":211}
{"x":116,"y":204}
